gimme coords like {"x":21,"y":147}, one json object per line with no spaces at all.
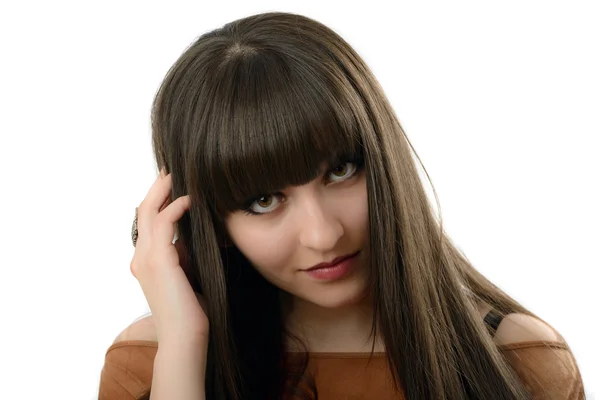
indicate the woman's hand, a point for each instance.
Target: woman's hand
{"x":176,"y":309}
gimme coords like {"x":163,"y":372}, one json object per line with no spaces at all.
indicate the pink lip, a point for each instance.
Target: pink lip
{"x":337,"y":269}
{"x":332,"y":263}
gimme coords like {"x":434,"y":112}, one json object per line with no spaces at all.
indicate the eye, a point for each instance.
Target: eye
{"x":342,"y":172}
{"x":264,"y":204}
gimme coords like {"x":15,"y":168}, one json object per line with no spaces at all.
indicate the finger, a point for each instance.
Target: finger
{"x":162,"y":174}
{"x":159,"y":192}
{"x":165,"y":204}
{"x":165,"y":221}
{"x":157,"y":196}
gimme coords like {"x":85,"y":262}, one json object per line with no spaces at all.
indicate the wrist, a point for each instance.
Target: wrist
{"x":189,"y":341}
{"x":179,"y":372}
{"x":186,"y":348}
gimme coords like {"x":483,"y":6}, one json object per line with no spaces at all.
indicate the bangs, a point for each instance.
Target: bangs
{"x":272,"y":127}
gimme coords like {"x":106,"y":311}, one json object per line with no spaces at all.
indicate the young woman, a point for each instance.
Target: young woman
{"x":309,"y":261}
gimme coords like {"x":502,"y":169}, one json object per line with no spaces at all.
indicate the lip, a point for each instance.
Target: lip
{"x":332,"y":263}
{"x":333,"y":271}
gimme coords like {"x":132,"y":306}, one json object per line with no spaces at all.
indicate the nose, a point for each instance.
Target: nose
{"x":319,"y":227}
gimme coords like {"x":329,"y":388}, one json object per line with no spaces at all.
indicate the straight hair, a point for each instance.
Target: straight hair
{"x":258,"y":105}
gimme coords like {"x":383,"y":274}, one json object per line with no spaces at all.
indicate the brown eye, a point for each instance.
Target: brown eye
{"x":342,"y":172}
{"x":265,"y":201}
{"x":265,"y":204}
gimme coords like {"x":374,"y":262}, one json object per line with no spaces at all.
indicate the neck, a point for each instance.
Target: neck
{"x":342,"y":329}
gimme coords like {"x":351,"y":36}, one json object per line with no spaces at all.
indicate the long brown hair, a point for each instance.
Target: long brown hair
{"x":257,"y":105}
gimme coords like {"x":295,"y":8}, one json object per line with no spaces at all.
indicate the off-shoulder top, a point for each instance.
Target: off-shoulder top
{"x":547,"y":368}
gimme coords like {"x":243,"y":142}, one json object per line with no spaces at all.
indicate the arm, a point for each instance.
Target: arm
{"x":181,"y":324}
{"x":179,"y":370}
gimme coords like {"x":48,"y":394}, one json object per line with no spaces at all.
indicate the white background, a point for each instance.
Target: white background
{"x":500,"y":99}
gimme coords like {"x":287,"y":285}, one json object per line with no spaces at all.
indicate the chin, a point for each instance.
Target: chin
{"x":338,"y":297}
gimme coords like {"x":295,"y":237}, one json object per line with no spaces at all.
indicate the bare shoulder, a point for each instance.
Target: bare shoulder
{"x":142,"y":329}
{"x":518,"y":328}
{"x":546,"y":374}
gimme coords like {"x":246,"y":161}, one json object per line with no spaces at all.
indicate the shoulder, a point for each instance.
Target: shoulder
{"x":519,"y":328}
{"x":129,"y":362}
{"x":142,"y":329}
{"x":540,"y":356}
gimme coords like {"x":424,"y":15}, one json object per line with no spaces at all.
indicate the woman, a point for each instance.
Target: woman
{"x":309,"y":261}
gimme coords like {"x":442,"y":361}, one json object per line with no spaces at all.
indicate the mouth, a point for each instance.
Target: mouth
{"x":332,"y":263}
{"x":335,"y":270}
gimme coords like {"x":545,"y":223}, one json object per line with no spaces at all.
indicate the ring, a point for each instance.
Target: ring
{"x":134,"y":229}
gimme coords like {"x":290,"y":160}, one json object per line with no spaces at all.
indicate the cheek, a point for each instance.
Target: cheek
{"x":266,"y":249}
{"x":354,"y":212}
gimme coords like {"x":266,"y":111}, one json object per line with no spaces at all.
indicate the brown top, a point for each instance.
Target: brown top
{"x":547,"y":368}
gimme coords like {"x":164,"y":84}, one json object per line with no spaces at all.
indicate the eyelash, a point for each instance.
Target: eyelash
{"x":358,"y":167}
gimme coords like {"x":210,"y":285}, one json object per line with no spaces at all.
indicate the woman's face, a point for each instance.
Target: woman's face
{"x":291,"y":231}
